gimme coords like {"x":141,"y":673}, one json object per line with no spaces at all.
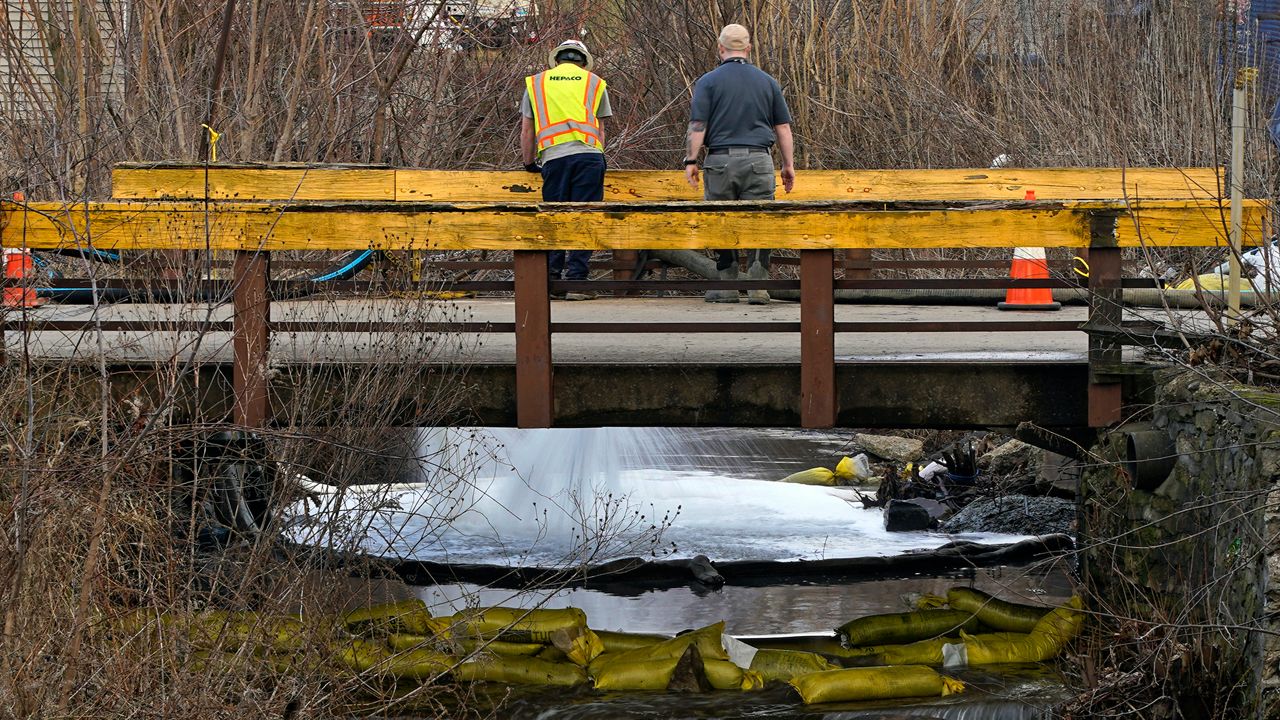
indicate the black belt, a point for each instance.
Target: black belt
{"x":737,"y":150}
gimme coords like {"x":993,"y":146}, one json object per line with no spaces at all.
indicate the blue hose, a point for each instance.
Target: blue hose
{"x":347,"y":267}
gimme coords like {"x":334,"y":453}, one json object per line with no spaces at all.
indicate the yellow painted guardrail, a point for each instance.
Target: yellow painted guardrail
{"x":694,"y":225}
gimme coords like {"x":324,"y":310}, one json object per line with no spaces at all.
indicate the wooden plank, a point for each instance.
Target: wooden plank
{"x":535,"y":407}
{"x":817,"y":339}
{"x":873,"y":185}
{"x":701,"y":225}
{"x":253,"y":183}
{"x":272,"y":182}
{"x":1188,"y":225}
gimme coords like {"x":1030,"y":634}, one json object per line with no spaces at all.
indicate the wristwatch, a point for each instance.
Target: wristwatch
{"x":690,"y":161}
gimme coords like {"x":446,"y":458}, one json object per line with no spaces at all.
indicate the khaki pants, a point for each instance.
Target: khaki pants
{"x":739,"y":175}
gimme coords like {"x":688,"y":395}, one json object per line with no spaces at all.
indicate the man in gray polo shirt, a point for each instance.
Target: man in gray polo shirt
{"x":738,"y":112}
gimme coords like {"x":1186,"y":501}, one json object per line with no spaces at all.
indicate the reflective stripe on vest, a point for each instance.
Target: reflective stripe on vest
{"x":565,"y":100}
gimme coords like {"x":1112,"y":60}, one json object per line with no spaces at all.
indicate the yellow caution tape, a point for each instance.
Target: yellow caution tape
{"x":214,"y":137}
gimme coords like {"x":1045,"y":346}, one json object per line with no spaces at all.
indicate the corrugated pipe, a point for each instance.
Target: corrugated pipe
{"x":1136,"y":297}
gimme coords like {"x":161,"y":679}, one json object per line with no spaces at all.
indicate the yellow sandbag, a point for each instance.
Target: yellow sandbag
{"x":812,"y":476}
{"x":406,"y":616}
{"x":923,"y":652}
{"x":706,"y":639}
{"x":407,"y":641}
{"x":384,"y":614}
{"x":929,"y":601}
{"x":616,"y":642}
{"x":501,"y":647}
{"x":419,"y":664}
{"x":404,"y":641}
{"x":786,"y":664}
{"x":994,"y":613}
{"x":724,"y":675}
{"x":438,"y":630}
{"x":899,"y":628}
{"x":520,"y":625}
{"x":991,"y":649}
{"x":623,"y":674}
{"x":844,"y":469}
{"x":275,"y":633}
{"x":551,"y":653}
{"x":1213,"y":282}
{"x":1044,"y":642}
{"x":1064,"y":623}
{"x":580,"y":645}
{"x":224,"y":630}
{"x":521,"y":671}
{"x":361,"y":655}
{"x":878,"y":683}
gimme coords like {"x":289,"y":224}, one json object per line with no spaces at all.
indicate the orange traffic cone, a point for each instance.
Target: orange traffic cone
{"x":1029,"y":264}
{"x":17,"y":264}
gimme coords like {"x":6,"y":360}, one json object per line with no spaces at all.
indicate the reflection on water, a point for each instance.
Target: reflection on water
{"x":809,"y":608}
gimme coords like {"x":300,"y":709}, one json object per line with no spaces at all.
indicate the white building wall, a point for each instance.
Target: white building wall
{"x":34,"y":39}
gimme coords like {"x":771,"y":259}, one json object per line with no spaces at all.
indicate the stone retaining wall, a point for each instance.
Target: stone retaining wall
{"x":1194,"y":564}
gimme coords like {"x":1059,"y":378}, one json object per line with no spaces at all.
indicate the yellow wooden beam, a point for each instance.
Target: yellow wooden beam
{"x":440,"y":226}
{"x":823,"y":185}
{"x":253,"y":183}
{"x":258,"y":182}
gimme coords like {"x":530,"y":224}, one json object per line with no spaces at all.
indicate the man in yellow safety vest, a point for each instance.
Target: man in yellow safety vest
{"x":561,"y":138}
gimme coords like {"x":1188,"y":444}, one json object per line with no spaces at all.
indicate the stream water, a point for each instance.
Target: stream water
{"x":560,"y":497}
{"x":570,"y":496}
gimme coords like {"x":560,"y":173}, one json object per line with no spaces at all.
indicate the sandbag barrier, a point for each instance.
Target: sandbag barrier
{"x":876,"y":658}
{"x":975,"y":629}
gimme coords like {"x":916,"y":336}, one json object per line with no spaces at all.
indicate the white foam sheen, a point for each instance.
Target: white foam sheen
{"x":547,"y":497}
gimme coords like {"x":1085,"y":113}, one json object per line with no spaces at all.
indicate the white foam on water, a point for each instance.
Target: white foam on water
{"x":571,"y":496}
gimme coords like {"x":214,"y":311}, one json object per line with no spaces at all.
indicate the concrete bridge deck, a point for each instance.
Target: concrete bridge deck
{"x":498,"y":348}
{"x":890,"y":379}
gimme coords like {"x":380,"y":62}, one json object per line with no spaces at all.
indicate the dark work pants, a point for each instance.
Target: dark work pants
{"x":573,"y":178}
{"x":739,"y":175}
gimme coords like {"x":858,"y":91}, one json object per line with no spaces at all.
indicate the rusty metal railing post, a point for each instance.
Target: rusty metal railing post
{"x":857,"y":264}
{"x":817,"y":339}
{"x":623,"y":267}
{"x":250,"y":337}
{"x":1105,"y":311}
{"x":535,"y":402}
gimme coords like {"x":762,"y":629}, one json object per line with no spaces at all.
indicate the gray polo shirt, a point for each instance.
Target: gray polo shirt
{"x":573,"y":147}
{"x":740,"y":103}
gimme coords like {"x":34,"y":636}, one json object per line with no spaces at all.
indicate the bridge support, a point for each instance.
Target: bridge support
{"x":250,"y":337}
{"x":1106,"y":310}
{"x":535,"y":402}
{"x":817,"y":339}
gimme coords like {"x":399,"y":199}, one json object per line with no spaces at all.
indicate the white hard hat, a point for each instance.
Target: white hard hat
{"x":575,"y":45}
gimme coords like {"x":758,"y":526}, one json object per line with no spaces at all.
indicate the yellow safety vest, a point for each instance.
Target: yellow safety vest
{"x":565,"y":100}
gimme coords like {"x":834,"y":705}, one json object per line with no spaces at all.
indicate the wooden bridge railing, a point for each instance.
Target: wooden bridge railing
{"x":391,"y":209}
